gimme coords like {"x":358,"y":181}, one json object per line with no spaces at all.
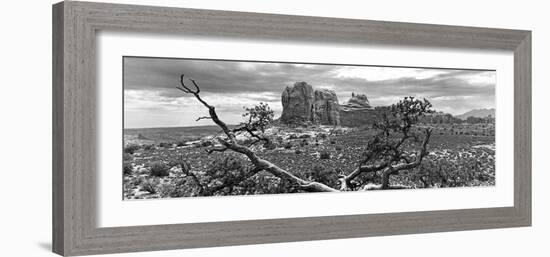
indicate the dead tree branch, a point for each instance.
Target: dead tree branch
{"x":384,"y":155}
{"x":257,"y":162}
{"x":384,"y":152}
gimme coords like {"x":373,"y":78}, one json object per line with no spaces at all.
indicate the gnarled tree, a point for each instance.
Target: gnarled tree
{"x":386,"y":154}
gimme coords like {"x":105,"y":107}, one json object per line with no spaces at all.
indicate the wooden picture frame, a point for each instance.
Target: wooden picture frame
{"x":74,"y":130}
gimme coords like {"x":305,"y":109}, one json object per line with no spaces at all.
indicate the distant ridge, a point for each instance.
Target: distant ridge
{"x":478,"y":113}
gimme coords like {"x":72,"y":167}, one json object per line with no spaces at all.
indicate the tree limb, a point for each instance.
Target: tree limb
{"x":216,"y":149}
{"x":259,"y":164}
{"x":406,"y":166}
{"x":390,"y":158}
{"x":203,"y":118}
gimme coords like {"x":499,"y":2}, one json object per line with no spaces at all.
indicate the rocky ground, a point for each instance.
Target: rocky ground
{"x":462,"y":154}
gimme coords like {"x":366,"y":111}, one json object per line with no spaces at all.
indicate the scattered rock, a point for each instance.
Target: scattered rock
{"x":141,"y":193}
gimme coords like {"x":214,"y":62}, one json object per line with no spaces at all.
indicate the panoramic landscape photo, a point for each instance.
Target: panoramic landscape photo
{"x":195,"y":127}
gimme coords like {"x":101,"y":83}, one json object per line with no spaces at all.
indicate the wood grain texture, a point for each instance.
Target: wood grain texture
{"x":58,"y":230}
{"x":74,"y":126}
{"x":522,"y":128}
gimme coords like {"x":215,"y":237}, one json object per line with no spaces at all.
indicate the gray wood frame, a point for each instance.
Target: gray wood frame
{"x":74,"y":113}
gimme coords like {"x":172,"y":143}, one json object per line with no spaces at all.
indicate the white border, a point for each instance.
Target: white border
{"x":113,"y":211}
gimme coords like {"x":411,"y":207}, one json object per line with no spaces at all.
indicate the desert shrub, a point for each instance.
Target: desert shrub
{"x":303,"y":143}
{"x":338,"y":148}
{"x":131,"y":149}
{"x":324,"y":155}
{"x":247,"y":141}
{"x":265,"y":183}
{"x":288,"y":145}
{"x":323,"y":175}
{"x":176,"y":161}
{"x":227,"y":172}
{"x":206,"y":143}
{"x":179,"y":188}
{"x":127,"y":168}
{"x":318,"y":168}
{"x":159,"y":169}
{"x":166,"y":190}
{"x":336,"y":131}
{"x":149,"y":185}
{"x":184,"y":165}
{"x":165,"y":145}
{"x":298,"y":151}
{"x":231,"y":176}
{"x":224,"y":166}
{"x":456,"y":168}
{"x":270,"y":145}
{"x":127,"y":157}
{"x":148,"y":147}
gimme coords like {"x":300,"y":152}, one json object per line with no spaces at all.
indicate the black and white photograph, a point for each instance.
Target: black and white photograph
{"x":196,"y":127}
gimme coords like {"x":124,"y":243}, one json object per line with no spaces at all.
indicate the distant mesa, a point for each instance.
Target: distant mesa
{"x":439,"y":118}
{"x":304,"y":105}
{"x":478,"y":113}
{"x":358,"y":101}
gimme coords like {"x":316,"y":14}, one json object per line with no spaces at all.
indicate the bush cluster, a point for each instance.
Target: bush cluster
{"x":131,"y":149}
{"x":127,"y":168}
{"x":159,"y":169}
{"x":288,"y":145}
{"x":324,"y":155}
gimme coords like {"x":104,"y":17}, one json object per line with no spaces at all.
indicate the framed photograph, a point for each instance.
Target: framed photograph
{"x":182,"y":128}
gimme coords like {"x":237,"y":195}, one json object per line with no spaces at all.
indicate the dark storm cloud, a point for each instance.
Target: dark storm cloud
{"x":245,"y":77}
{"x":215,"y":76}
{"x":440,"y":85}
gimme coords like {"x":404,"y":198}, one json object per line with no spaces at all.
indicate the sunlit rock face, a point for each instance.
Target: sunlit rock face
{"x":304,"y":105}
{"x":327,"y":108}
{"x":356,"y":117}
{"x":357,"y":111}
{"x":297,"y":103}
{"x":358,"y":101}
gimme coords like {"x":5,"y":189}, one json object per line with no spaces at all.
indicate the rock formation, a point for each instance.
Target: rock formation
{"x":297,"y":103}
{"x":327,"y":109}
{"x":357,"y":111}
{"x":356,"y":117}
{"x":358,"y":101}
{"x":301,"y":104}
{"x":304,"y":105}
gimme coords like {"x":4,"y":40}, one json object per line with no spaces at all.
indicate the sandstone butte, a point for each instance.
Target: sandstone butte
{"x":304,"y":105}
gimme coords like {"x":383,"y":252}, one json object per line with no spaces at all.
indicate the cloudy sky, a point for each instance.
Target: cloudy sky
{"x":151,"y":99}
